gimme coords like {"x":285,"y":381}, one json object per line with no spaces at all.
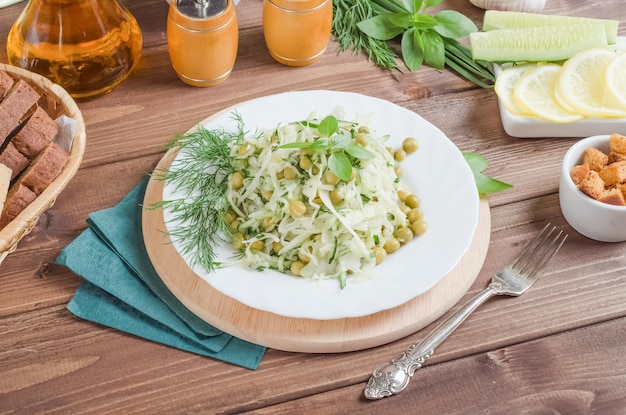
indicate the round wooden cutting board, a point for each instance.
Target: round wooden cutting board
{"x":299,"y":334}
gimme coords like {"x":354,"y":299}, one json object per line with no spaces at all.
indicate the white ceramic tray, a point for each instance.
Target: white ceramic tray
{"x":529,"y":127}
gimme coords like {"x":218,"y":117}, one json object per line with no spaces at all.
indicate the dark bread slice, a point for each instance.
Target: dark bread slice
{"x":36,"y":134}
{"x":18,"y":199}
{"x":45,"y":168}
{"x":6,"y":82}
{"x":13,"y":159}
{"x":16,"y":106}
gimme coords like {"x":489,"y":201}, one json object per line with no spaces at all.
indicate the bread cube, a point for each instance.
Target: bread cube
{"x":596,"y":159}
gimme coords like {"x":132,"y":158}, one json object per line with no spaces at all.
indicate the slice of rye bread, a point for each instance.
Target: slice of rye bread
{"x":14,"y":160}
{"x":34,"y":180}
{"x":18,"y":198}
{"x":15,"y":106}
{"x":36,"y":134}
{"x":44,"y":168}
{"x":6,"y":82}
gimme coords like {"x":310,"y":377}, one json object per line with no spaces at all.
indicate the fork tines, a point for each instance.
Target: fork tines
{"x":536,"y":255}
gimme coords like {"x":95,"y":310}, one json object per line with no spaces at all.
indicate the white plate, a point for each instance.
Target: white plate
{"x":529,"y":127}
{"x":437,"y":173}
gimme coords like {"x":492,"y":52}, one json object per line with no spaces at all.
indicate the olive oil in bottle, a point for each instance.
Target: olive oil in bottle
{"x":86,"y":46}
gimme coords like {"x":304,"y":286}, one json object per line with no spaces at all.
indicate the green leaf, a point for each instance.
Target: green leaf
{"x":380,"y":27}
{"x":328,"y":126}
{"x":434,"y":50}
{"x":339,"y":141}
{"x":431,"y":3}
{"x":476,"y":161}
{"x":296,"y":145}
{"x":412,"y":53}
{"x":412,"y":5}
{"x":359,"y":152}
{"x":424,"y":21}
{"x":453,"y":24}
{"x":319,"y":144}
{"x":484,"y":183}
{"x":403,"y":20}
{"x":339,"y":164}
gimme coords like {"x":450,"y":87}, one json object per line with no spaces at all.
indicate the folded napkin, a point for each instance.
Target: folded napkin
{"x":121,"y":288}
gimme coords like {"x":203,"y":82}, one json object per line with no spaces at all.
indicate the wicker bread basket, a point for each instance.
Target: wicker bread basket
{"x":56,"y":101}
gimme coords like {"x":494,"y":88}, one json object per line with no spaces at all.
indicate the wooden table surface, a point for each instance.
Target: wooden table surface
{"x":560,"y":348}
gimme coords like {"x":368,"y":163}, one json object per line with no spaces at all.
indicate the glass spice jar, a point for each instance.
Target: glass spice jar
{"x":297,"y":31}
{"x":203,"y":37}
{"x":87,"y":46}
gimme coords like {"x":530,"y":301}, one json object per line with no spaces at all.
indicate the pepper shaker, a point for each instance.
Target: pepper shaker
{"x":297,"y":31}
{"x":203,"y":38}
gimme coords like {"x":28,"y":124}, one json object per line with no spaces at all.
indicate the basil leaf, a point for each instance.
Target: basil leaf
{"x":328,"y":126}
{"x":296,"y":145}
{"x":453,"y":24}
{"x":411,"y":51}
{"x":432,"y":3}
{"x":423,"y":22}
{"x":413,"y":5}
{"x":434,"y":50}
{"x":380,"y":27}
{"x":403,"y":20}
{"x":476,"y":161}
{"x":484,"y":183}
{"x":340,"y":141}
{"x":359,"y":152}
{"x":318,"y":144}
{"x":339,"y":164}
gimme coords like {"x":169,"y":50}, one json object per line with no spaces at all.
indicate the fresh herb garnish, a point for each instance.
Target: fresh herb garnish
{"x":425,"y":38}
{"x":484,"y":183}
{"x":342,"y":148}
{"x":202,"y":173}
{"x":346,"y":15}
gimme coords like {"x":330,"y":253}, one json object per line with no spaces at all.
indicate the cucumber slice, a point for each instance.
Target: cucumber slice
{"x":496,"y":19}
{"x":536,"y":44}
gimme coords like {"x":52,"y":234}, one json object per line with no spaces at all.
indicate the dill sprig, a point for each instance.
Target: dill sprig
{"x":201,"y":172}
{"x":346,"y":15}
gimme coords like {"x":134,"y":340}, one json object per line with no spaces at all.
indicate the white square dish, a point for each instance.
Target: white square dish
{"x":529,"y":127}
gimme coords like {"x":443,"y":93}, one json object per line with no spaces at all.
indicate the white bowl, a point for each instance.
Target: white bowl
{"x":591,"y":218}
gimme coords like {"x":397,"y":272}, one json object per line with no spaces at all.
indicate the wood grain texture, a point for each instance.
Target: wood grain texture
{"x":557,"y":349}
{"x":562,"y":374}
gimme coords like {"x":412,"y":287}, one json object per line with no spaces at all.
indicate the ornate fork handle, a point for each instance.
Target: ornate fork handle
{"x":393,"y":377}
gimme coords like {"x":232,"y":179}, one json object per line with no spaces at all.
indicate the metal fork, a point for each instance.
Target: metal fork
{"x":514,"y":279}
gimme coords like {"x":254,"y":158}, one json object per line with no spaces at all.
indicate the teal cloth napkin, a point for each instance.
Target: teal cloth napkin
{"x":121,"y":288}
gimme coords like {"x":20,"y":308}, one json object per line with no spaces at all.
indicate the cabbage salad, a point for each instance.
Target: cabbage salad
{"x":319,"y":199}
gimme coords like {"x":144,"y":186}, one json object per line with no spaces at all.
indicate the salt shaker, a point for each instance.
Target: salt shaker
{"x":203,"y":38}
{"x":297,"y":31}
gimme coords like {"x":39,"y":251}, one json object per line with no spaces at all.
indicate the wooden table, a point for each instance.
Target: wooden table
{"x":560,"y":348}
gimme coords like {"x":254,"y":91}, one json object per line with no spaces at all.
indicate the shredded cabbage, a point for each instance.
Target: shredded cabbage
{"x":340,"y":223}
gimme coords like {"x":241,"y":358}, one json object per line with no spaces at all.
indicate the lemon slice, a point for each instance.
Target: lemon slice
{"x":581,"y":85}
{"x":505,"y":83}
{"x":615,"y":78}
{"x":535,"y":92}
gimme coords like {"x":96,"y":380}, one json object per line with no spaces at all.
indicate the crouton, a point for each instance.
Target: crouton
{"x":614,"y":173}
{"x":617,"y":143}
{"x":596,"y":159}
{"x":613,"y":196}
{"x":592,"y":185}
{"x":578,"y":173}
{"x":614,"y":157}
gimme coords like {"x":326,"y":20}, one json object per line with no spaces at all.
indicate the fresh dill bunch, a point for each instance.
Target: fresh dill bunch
{"x":201,"y":172}
{"x":346,"y":15}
